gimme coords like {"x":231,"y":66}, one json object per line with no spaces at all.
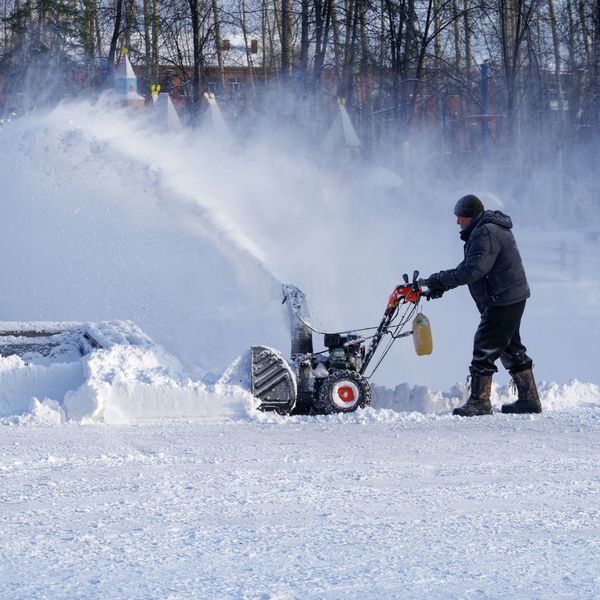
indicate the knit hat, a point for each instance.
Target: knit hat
{"x":468,"y":206}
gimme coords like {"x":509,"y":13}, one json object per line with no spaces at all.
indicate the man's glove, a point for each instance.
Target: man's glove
{"x":435,"y":287}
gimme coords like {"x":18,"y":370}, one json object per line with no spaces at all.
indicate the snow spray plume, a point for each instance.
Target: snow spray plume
{"x":189,"y":235}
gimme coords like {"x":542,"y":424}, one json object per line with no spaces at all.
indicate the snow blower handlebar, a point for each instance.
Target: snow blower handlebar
{"x":403,"y":294}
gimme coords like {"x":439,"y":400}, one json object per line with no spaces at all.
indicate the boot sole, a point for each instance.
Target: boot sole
{"x":508,"y":411}
{"x":481,"y":414}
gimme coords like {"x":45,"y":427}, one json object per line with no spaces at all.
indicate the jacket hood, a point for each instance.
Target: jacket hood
{"x":497,"y":217}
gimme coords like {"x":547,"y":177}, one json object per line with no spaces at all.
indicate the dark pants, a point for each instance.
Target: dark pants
{"x":497,"y":337}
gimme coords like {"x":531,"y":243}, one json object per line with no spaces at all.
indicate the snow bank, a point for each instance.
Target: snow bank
{"x":22,"y":383}
{"x":417,"y":398}
{"x":393,"y":404}
{"x":127,"y":379}
{"x":571,"y":395}
{"x":131,"y":379}
{"x":554,"y":397}
{"x":416,"y":403}
{"x":125,"y":383}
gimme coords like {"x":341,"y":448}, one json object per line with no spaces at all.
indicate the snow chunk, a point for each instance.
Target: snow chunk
{"x":21,"y":382}
{"x":416,"y":398}
{"x":570,"y":395}
{"x":48,"y":412}
{"x":238,"y":372}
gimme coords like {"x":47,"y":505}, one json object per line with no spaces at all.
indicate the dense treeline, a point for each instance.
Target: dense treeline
{"x":397,"y":62}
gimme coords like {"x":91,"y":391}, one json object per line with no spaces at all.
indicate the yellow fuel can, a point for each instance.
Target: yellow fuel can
{"x":422,"y":335}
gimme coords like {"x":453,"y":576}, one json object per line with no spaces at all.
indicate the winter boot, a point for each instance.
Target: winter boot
{"x":479,"y":400}
{"x":528,"y":400}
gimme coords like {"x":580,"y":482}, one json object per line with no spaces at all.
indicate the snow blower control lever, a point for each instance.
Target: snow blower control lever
{"x":409,"y":293}
{"x":335,"y":379}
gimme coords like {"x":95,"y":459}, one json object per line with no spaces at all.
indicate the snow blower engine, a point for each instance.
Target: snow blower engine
{"x":335,"y":379}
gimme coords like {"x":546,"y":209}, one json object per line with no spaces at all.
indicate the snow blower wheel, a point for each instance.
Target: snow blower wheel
{"x":343,"y":391}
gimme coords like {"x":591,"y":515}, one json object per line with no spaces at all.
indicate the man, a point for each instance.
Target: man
{"x":493,"y":270}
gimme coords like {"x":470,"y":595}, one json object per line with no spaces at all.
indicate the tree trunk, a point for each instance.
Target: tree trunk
{"x":88,"y":34}
{"x":382,"y":36}
{"x":571,"y":36}
{"x":219,"y":43}
{"x":147,"y":40}
{"x":467,"y":28}
{"x":322,"y":26}
{"x":116,"y":32}
{"x":406,"y":60}
{"x":350,"y":48}
{"x":456,"y":32}
{"x":596,"y":70}
{"x":335,"y":27}
{"x":264,"y":28}
{"x":247,"y":46}
{"x":437,"y":40}
{"x":277,"y":16}
{"x":348,"y":21}
{"x":97,"y":32}
{"x":429,"y":19}
{"x":304,"y":37}
{"x":557,"y":61}
{"x":286,"y":37}
{"x":364,"y":42}
{"x":198,"y":61}
{"x":267,"y":35}
{"x":129,"y":21}
{"x":155,"y":39}
{"x":508,"y":42}
{"x":585,"y":34}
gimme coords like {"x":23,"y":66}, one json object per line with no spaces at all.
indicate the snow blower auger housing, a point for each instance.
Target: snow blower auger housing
{"x":333,"y":380}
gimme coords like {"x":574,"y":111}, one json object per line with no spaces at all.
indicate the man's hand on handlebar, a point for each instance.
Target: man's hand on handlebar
{"x":435,"y":288}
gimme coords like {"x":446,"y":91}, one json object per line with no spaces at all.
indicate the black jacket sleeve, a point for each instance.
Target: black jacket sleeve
{"x":480,"y":256}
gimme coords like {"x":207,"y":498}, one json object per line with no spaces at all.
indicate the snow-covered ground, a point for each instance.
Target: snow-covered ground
{"x":379,"y":504}
{"x":140,"y":469}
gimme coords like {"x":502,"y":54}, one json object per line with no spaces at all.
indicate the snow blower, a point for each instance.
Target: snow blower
{"x":334,"y":380}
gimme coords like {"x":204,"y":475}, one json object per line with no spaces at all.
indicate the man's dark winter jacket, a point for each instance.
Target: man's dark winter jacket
{"x":492,"y":267}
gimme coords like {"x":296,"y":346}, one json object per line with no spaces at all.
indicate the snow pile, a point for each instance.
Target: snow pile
{"x":44,"y":412}
{"x":22,"y":384}
{"x":554,"y":397}
{"x":111,"y":372}
{"x":129,"y":378}
{"x":238,"y":372}
{"x":418,"y":398}
{"x":124,"y":384}
{"x":571,"y":395}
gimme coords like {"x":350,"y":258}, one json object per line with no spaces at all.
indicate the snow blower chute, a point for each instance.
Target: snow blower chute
{"x":335,"y":379}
